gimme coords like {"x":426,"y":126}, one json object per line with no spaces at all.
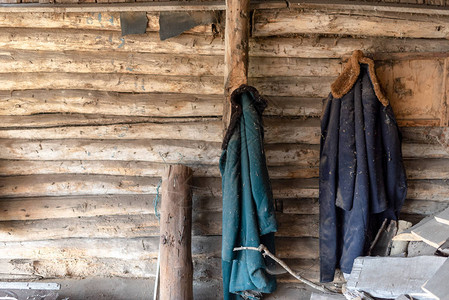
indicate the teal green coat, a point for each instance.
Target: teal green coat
{"x":248,"y":207}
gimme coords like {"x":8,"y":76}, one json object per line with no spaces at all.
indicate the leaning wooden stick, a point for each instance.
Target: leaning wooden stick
{"x":266,"y":252}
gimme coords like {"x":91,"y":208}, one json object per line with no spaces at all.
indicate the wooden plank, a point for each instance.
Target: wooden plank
{"x":432,"y":232}
{"x":436,"y":285}
{"x":109,"y":103}
{"x":389,"y":281}
{"x":443,"y":217}
{"x":110,"y":82}
{"x":291,"y":21}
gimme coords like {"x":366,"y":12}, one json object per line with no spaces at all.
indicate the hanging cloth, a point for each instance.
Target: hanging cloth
{"x":362,"y":177}
{"x":248,"y":207}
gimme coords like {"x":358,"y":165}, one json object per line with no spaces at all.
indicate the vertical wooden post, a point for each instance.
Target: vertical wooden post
{"x":236,"y":51}
{"x":176,"y":269}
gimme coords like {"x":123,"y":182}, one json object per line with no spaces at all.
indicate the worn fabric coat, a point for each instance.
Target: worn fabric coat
{"x":248,"y":207}
{"x":362,"y":177}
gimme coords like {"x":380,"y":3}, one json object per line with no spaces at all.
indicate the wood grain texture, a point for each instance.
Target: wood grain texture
{"x":299,"y":47}
{"x":290,"y":21}
{"x":175,"y":253}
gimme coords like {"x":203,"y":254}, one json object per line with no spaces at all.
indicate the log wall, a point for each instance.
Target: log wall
{"x":89,"y":118}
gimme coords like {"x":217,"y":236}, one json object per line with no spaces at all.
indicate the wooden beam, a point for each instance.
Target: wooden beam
{"x":220,"y":5}
{"x":236,"y":51}
{"x":176,"y":271}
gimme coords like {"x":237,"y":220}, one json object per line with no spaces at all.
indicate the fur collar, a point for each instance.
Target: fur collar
{"x":351,"y":72}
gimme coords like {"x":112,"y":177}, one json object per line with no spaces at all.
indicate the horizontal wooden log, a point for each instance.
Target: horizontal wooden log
{"x":101,"y":167}
{"x":300,"y":47}
{"x":427,"y":169}
{"x":76,"y":267}
{"x":134,"y":226}
{"x":290,"y":21}
{"x":111,"y":62}
{"x":138,"y":248}
{"x":130,"y":168}
{"x":289,"y":225}
{"x":410,"y":207}
{"x":15,"y":61}
{"x":81,"y":20}
{"x":139,"y":128}
{"x":111,"y":82}
{"x":31,"y":102}
{"x":189,"y":152}
{"x":130,"y":226}
{"x":156,"y":151}
{"x":210,"y":131}
{"x":73,"y":185}
{"x":74,"y":207}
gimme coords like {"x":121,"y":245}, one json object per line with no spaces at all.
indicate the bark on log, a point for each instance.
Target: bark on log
{"x":176,"y":271}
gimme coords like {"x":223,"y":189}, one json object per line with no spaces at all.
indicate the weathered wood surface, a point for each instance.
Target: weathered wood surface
{"x":389,"y":281}
{"x":15,"y":61}
{"x":443,"y":217}
{"x":437,"y":285}
{"x":139,"y":248}
{"x":31,"y":102}
{"x":115,"y":62}
{"x":111,"y":82}
{"x":81,"y":20}
{"x":237,"y":32}
{"x":432,"y":232}
{"x":302,"y":47}
{"x":290,"y":21}
{"x":125,"y":225}
{"x":176,"y":268}
{"x":74,"y":207}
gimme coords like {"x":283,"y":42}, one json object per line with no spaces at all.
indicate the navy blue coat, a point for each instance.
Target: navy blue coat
{"x":362,"y":177}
